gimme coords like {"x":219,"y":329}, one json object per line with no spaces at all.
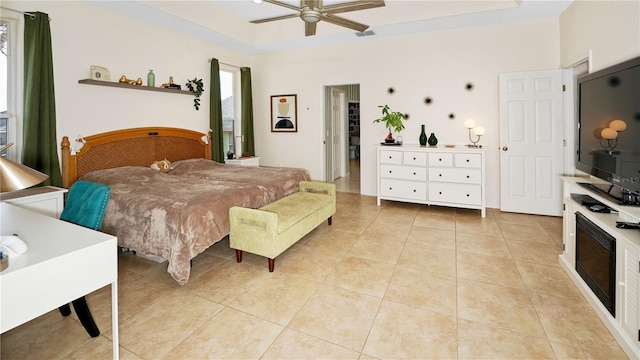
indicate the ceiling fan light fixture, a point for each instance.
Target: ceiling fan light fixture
{"x":310,"y":16}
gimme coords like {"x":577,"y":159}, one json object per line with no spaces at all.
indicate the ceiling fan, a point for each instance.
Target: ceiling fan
{"x":312,"y":11}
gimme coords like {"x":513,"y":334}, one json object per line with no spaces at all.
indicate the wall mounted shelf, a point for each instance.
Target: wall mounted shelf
{"x":130,"y":86}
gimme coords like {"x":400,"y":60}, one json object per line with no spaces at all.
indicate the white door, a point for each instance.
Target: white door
{"x":531,"y":142}
{"x":337,"y":116}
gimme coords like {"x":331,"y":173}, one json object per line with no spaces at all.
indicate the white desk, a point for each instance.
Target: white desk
{"x":64,"y":262}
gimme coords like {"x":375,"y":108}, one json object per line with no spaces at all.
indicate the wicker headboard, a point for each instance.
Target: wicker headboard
{"x":137,"y":146}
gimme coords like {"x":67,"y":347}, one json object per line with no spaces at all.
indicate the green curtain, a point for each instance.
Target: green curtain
{"x":247,"y":112}
{"x":215,"y":115}
{"x":39,"y":133}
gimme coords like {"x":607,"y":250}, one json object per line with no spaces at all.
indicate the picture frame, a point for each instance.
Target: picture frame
{"x":284,"y":113}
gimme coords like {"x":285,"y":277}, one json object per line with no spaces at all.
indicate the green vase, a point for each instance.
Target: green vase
{"x":423,"y":137}
{"x":433,"y":140}
{"x":151,"y":79}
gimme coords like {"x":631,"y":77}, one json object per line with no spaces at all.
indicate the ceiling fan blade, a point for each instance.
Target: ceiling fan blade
{"x":309,"y":29}
{"x":259,"y":21}
{"x":352,"y":6}
{"x":344,"y":22}
{"x":279,"y":3}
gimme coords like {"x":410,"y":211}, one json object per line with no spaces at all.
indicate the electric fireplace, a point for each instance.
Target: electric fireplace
{"x":596,"y":260}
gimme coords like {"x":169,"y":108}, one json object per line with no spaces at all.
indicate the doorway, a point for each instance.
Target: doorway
{"x":342,"y":136}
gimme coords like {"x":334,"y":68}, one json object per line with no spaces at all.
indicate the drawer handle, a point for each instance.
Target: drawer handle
{"x":467,"y":176}
{"x":439,"y":192}
{"x":439,"y":159}
{"x":414,"y":173}
{"x":467,"y":160}
{"x":467,"y":195}
{"x":390,"y":157}
{"x":390,"y":172}
{"x":440,"y":175}
{"x":390,"y":188}
{"x":414,"y":190}
{"x":414,"y":158}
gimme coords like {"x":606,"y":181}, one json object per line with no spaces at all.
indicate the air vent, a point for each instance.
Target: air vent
{"x":365,"y":33}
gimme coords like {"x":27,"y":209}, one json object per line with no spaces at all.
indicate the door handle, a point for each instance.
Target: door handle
{"x":504,"y":148}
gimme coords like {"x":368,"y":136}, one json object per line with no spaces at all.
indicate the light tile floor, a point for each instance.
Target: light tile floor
{"x":396,"y":281}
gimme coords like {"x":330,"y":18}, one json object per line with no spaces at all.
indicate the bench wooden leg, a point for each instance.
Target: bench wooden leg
{"x":329,"y":220}
{"x":238,"y":255}
{"x":271,"y":264}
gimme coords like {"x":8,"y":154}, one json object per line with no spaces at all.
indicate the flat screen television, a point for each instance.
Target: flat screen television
{"x":603,"y":150}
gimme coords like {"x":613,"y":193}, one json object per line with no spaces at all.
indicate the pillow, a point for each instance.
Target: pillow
{"x":162,"y":165}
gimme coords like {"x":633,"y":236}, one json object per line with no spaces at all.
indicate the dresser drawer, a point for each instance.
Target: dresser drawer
{"x":413,"y":173}
{"x":390,"y":157}
{"x":414,"y":158}
{"x":455,"y":193}
{"x":468,"y":160}
{"x":412,"y":190}
{"x":456,"y":175}
{"x":441,"y":159}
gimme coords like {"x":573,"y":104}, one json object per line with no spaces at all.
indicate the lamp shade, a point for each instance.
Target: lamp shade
{"x":478,"y":130}
{"x":14,"y":176}
{"x":618,"y":125}
{"x":469,"y":123}
{"x":608,"y":133}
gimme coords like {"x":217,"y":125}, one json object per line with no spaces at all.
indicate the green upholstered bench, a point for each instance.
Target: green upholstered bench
{"x":273,"y":228}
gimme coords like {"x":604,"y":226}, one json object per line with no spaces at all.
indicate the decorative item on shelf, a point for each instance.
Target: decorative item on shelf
{"x":99,"y":73}
{"x":15,"y":176}
{"x":392,"y":120}
{"x":611,"y":133}
{"x":124,"y":80}
{"x":477,"y":130}
{"x":433,"y":140}
{"x":423,"y":136}
{"x":196,"y":87}
{"x":151,"y":79}
{"x":171,"y":84}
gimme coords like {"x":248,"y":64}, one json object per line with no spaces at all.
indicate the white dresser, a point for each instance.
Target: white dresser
{"x":432,"y":175}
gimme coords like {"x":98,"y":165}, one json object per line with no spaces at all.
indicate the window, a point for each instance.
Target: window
{"x":8,"y":126}
{"x":229,"y":99}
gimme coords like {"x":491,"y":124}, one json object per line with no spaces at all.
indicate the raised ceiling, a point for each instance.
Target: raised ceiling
{"x":226,"y":22}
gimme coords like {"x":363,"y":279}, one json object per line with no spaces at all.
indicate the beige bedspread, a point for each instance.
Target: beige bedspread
{"x":169,"y":216}
{"x":277,"y":181}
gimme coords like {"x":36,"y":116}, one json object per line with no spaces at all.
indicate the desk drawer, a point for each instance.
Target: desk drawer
{"x":403,"y":172}
{"x":455,"y":193}
{"x":468,"y":160}
{"x":441,"y":159}
{"x":414,"y":158}
{"x":390,"y":157}
{"x":455,"y":175}
{"x":412,"y":190}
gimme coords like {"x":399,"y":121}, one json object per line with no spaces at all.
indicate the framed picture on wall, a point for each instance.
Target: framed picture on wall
{"x":284,"y":113}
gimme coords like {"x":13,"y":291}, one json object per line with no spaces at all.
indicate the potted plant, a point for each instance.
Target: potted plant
{"x":197,"y":88}
{"x":392,"y":120}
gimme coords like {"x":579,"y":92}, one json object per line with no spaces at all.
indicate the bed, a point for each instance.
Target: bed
{"x":171,"y":216}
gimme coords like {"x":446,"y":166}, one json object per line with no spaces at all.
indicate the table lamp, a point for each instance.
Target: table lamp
{"x":14,"y":176}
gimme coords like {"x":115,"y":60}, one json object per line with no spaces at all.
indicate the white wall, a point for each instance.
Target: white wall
{"x":609,"y":29}
{"x":84,"y":34}
{"x":434,"y":64}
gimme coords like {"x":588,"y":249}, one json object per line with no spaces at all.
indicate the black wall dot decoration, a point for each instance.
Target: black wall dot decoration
{"x":469,"y":86}
{"x":636,"y":116}
{"x":452,"y":116}
{"x":428,"y":100}
{"x":406,"y":116}
{"x":391,"y":90}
